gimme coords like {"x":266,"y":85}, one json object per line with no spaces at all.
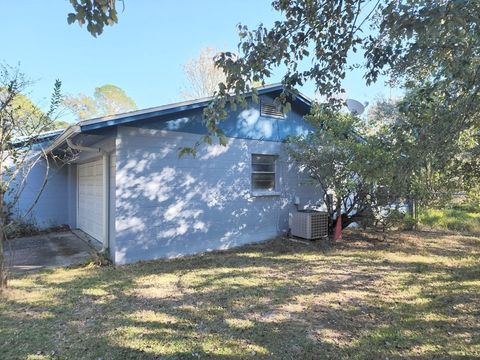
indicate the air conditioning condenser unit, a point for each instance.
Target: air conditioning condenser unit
{"x":309,"y":224}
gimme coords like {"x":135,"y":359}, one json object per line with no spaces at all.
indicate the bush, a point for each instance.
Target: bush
{"x":101,"y":258}
{"x":408,"y":222}
{"x":21,"y":227}
{"x":388,"y":219}
{"x":469,"y":206}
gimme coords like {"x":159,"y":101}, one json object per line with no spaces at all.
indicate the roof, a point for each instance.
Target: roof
{"x":138,"y":115}
{"x":41,"y":137}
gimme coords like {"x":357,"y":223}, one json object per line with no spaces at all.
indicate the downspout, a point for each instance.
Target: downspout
{"x":106,"y":182}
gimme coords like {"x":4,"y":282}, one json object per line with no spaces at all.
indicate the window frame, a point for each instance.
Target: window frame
{"x":261,"y":191}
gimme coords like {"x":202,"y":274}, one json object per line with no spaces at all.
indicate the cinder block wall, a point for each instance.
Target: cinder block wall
{"x":51,"y":209}
{"x":166,"y":206}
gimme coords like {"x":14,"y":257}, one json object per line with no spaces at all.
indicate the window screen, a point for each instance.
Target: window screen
{"x":263,"y":172}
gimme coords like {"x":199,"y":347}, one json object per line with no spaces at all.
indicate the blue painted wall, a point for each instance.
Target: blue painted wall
{"x":241,"y":124}
{"x":163,"y":206}
{"x":57,"y":204}
{"x":53,"y":204}
{"x":168,"y":207}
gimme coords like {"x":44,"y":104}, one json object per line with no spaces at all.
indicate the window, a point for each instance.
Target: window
{"x":270,"y":110}
{"x":263,"y":172}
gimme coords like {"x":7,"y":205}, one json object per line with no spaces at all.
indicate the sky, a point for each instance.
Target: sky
{"x":143,"y":54}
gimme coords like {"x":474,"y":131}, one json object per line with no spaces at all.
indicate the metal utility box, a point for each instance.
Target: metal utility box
{"x":309,"y":224}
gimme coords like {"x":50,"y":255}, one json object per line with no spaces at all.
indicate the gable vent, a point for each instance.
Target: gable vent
{"x":270,"y":110}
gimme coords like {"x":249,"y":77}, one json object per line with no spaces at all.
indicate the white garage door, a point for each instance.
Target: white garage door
{"x":90,"y":199}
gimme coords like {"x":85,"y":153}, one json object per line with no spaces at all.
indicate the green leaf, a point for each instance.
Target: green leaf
{"x":187,"y":151}
{"x":71,"y":18}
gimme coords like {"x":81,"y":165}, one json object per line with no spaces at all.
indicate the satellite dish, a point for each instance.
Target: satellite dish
{"x":355,"y":107}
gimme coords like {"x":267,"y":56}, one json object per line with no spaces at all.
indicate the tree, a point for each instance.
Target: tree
{"x":438,"y":165}
{"x":203,"y":76}
{"x":429,"y":47}
{"x":411,"y":41}
{"x":20,"y":124}
{"x":416,"y":42}
{"x":382,"y":111}
{"x":368,"y":174}
{"x":60,"y":124}
{"x":361,"y":178}
{"x":29,"y":113}
{"x":107,"y":100}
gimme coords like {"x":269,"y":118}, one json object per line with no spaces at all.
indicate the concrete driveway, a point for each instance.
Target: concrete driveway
{"x":46,"y":251}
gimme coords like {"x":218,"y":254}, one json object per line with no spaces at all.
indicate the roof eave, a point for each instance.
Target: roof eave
{"x":68,"y":133}
{"x":124,"y":118}
{"x":104,"y":122}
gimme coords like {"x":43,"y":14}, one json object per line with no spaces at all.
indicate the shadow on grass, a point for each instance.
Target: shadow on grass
{"x":274,"y":300}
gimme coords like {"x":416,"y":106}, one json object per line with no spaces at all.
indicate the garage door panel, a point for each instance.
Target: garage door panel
{"x":90,"y":199}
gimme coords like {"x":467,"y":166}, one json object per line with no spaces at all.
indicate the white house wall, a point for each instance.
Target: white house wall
{"x":167,"y":207}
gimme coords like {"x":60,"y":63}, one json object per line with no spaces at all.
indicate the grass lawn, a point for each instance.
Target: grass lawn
{"x":456,"y":218}
{"x":415,"y":296}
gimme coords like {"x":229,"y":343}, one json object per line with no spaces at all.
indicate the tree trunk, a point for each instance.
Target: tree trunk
{"x":328,"y":199}
{"x":338,"y":208}
{"x":416,"y":214}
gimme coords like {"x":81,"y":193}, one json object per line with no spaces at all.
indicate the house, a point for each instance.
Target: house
{"x":128,"y":189}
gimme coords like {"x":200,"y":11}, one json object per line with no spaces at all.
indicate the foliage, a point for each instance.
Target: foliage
{"x":381,"y":113}
{"x":95,"y":13}
{"x":434,"y":52}
{"x":18,"y":118}
{"x":202,"y":75}
{"x":455,"y":218}
{"x":416,"y":296}
{"x":473,"y":195}
{"x":429,"y":41}
{"x":107,"y":100}
{"x":29,"y":116}
{"x":26,"y":113}
{"x":431,"y":45}
{"x":20,"y":227}
{"x":60,"y":124}
{"x":360,"y":176}
{"x":438,"y":165}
